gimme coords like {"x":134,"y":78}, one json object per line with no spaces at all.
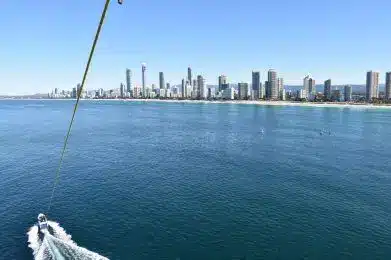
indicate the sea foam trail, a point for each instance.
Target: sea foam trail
{"x":58,"y":246}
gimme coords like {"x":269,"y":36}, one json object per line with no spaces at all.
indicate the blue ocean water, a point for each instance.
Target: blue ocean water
{"x":145,"y":180}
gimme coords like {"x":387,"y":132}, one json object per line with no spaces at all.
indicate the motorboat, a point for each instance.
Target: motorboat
{"x":42,"y":223}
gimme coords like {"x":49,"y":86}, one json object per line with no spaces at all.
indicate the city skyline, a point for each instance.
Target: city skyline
{"x":273,"y":89}
{"x":327,"y":48}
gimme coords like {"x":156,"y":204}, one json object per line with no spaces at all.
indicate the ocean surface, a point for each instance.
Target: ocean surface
{"x":145,"y":180}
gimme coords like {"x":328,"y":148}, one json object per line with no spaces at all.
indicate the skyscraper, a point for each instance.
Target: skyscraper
{"x":267,"y":89}
{"x":189,"y":75}
{"x":243,"y":90}
{"x":161,"y":80}
{"x":224,"y":86}
{"x":327,"y":89}
{"x":256,"y":83}
{"x":372,"y":85}
{"x":122,"y":90}
{"x":222,"y":80}
{"x":306,"y":85}
{"x":168,"y":85}
{"x":203,"y":94}
{"x":388,"y":85}
{"x":348,"y":93}
{"x":311,"y":86}
{"x":128,"y":80}
{"x":78,"y":90}
{"x":280,"y":84}
{"x":183,"y":89}
{"x":143,"y":69}
{"x":272,"y":84}
{"x":262,"y":90}
{"x":196,"y":91}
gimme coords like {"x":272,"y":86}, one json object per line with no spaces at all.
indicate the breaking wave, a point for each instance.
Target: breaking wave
{"x":57,"y":246}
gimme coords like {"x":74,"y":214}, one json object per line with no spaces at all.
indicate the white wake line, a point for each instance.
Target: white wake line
{"x":58,"y":246}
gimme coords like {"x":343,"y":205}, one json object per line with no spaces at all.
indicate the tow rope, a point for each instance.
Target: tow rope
{"x":102,"y":18}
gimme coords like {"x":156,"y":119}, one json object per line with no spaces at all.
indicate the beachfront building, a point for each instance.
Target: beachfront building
{"x":301,"y":94}
{"x":255,"y":85}
{"x":228,"y":93}
{"x":348,"y":93}
{"x":388,"y":85}
{"x":272,"y":87}
{"x":327,"y":89}
{"x":243,"y":90}
{"x":372,"y":86}
{"x":222,"y":80}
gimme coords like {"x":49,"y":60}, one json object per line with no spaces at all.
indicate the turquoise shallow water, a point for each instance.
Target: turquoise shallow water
{"x":199,"y":181}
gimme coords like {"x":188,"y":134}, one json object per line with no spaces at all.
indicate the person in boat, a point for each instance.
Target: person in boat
{"x":43,"y":226}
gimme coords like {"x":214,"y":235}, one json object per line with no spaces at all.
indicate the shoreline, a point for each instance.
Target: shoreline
{"x":240,"y":102}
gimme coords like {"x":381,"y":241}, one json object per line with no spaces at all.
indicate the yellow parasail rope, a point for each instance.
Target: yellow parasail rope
{"x":78,"y":97}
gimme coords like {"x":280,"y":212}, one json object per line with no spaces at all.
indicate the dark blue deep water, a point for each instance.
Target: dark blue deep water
{"x":199,"y":181}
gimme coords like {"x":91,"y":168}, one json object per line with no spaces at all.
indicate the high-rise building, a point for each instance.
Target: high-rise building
{"x":196,"y":90}
{"x":78,"y":90}
{"x":74,"y":93}
{"x":161,"y":80}
{"x":256,"y":83}
{"x":224,"y":86}
{"x":122,"y":90}
{"x":128,"y":80}
{"x":168,"y":85}
{"x":243,"y":90}
{"x":202,"y":87}
{"x":388,"y":85}
{"x":280,"y":84}
{"x":189,"y":76}
{"x":348,"y":93}
{"x":306,"y":84}
{"x":311,"y":86}
{"x":327,"y":89}
{"x":143,"y":79}
{"x":222,"y":80}
{"x":272,"y":84}
{"x":283,"y":94}
{"x":262,"y":91}
{"x":372,"y":85}
{"x":183,"y":89}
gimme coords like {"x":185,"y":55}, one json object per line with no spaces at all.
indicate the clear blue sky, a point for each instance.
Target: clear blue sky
{"x":44,"y":44}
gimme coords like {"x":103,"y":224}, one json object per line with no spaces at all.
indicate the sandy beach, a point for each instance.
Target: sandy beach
{"x":240,"y":102}
{"x":266,"y":103}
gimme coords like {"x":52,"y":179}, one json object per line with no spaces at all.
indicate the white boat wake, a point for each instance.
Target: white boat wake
{"x":57,"y":246}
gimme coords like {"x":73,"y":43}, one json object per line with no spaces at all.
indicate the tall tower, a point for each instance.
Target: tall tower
{"x":128,"y":80}
{"x":222,"y":80}
{"x":122,"y":90}
{"x":256,"y":83}
{"x":327,"y":89}
{"x":143,"y":80}
{"x":311,"y":86}
{"x":161,"y":80}
{"x":388,"y":85}
{"x":243,"y":90}
{"x":189,"y":75}
{"x":201,"y":86}
{"x":280,"y":84}
{"x":372,"y":85}
{"x":272,"y":84}
{"x":183,"y":90}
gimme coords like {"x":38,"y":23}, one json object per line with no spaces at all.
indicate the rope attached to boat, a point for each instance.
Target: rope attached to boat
{"x":78,"y":98}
